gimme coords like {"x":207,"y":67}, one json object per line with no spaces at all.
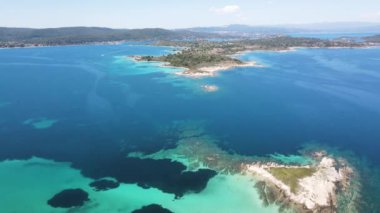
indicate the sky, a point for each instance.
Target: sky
{"x":182,"y":14}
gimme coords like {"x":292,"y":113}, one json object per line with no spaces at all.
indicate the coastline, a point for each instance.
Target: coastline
{"x":293,"y":49}
{"x":137,"y":59}
{"x":67,"y":45}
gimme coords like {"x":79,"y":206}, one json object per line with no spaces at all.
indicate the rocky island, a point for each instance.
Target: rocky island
{"x":316,"y":185}
{"x":197,"y":63}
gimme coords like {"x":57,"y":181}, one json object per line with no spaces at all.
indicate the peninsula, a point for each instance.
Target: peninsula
{"x":204,"y":58}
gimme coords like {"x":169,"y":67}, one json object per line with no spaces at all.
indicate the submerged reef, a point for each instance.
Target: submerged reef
{"x":104,"y":185}
{"x":153,"y":208}
{"x":315,"y":185}
{"x":69,"y":198}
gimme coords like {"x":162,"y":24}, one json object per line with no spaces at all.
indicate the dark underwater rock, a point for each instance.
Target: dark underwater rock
{"x":69,"y":198}
{"x":153,"y":208}
{"x":96,"y":157}
{"x":165,"y":175}
{"x":104,"y":185}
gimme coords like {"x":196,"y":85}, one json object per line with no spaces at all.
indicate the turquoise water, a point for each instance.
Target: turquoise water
{"x":71,"y":115}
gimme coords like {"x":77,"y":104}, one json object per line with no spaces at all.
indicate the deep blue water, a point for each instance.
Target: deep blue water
{"x":327,"y":96}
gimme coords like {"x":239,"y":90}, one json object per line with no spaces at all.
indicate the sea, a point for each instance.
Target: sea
{"x":71,"y":115}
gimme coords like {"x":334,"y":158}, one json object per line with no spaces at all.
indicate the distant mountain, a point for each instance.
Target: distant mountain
{"x":236,"y":28}
{"x":79,"y":35}
{"x":344,"y":27}
{"x":339,"y":27}
{"x":373,"y":39}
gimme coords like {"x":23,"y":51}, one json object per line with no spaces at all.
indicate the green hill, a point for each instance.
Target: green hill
{"x":10,"y":37}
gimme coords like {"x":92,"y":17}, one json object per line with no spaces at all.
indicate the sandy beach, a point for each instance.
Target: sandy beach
{"x":210,"y":71}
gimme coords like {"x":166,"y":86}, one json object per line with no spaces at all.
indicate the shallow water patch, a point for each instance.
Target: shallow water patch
{"x":40,"y":123}
{"x":124,"y":65}
{"x":4,"y":104}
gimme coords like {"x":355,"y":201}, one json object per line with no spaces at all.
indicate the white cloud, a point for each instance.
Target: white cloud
{"x":228,"y":9}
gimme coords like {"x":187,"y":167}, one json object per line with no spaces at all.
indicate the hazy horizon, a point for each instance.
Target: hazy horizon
{"x":362,"y":24}
{"x":152,"y":14}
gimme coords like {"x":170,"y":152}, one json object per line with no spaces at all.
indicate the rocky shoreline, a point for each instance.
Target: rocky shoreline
{"x":313,"y":187}
{"x":315,"y":193}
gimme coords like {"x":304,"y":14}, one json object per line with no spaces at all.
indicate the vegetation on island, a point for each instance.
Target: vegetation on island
{"x":268,"y":43}
{"x":291,"y":176}
{"x":193,"y":59}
